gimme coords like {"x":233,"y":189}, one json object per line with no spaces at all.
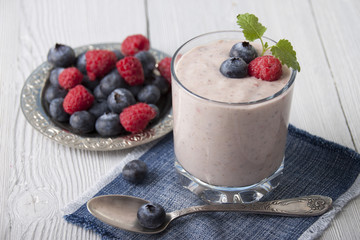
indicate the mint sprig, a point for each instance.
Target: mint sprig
{"x":253,"y":30}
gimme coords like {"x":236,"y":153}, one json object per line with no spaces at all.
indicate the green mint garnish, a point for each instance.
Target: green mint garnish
{"x":253,"y":30}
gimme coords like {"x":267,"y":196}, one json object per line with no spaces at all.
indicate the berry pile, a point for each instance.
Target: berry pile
{"x":244,"y":61}
{"x":109,"y":93}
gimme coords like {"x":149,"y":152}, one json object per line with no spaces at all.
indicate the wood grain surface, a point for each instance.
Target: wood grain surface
{"x":38,"y":177}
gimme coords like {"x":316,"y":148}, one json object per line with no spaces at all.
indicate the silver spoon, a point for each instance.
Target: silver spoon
{"x":121,"y":211}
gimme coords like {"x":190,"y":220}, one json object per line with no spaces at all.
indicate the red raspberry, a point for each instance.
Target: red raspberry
{"x":131,"y":70}
{"x":77,"y":99}
{"x":136,"y":117}
{"x":134,"y":44}
{"x":164,"y":68}
{"x":99,"y":63}
{"x":267,"y":68}
{"x":70,"y":77}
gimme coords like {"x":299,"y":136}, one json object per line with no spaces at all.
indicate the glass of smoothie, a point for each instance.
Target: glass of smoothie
{"x":229,"y":133}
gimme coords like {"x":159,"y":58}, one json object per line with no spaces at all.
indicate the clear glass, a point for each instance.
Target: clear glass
{"x":228,"y":152}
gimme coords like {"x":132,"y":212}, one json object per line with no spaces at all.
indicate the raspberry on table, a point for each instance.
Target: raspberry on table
{"x":134,"y":44}
{"x":164,"y":68}
{"x":136,"y":117}
{"x":78,"y":99}
{"x":131,"y":70}
{"x":99,"y":63}
{"x":70,"y":77}
{"x":267,"y":68}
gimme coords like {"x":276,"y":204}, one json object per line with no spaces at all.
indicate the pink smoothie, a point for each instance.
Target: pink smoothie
{"x":219,"y":137}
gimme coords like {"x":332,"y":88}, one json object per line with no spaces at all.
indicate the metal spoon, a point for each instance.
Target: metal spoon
{"x":121,"y":211}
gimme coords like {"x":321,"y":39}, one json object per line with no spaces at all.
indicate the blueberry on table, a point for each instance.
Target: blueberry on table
{"x":243,"y":50}
{"x":234,"y":68}
{"x":53,"y":92}
{"x":57,"y":111}
{"x":61,"y":55}
{"x":135,"y":171}
{"x":108,"y":125}
{"x":151,"y":215}
{"x":149,"y":94}
{"x":119,"y":99}
{"x":54,"y":76}
{"x":112,"y":81}
{"x":82,"y":122}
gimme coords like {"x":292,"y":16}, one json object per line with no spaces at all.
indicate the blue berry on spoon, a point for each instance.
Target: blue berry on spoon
{"x":151,"y":215}
{"x":234,"y":68}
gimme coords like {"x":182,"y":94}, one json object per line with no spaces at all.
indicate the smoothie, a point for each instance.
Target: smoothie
{"x":227,"y":131}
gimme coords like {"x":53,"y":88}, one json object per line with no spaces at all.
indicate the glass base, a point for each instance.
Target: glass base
{"x":220,"y":194}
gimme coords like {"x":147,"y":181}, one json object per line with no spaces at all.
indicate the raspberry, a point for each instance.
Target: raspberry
{"x":136,"y":117}
{"x":164,"y":68}
{"x":99,"y":63}
{"x":131,"y":70}
{"x":78,"y":99}
{"x":70,"y":77}
{"x":134,"y":44}
{"x":267,"y":68}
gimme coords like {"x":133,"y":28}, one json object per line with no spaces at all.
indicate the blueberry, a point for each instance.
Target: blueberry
{"x":243,"y":50}
{"x":81,"y":63}
{"x":56,"y":110}
{"x":157,"y":110}
{"x":99,"y":95}
{"x":135,"y":89}
{"x":119,"y":99}
{"x":89,"y":84}
{"x":147,"y":60}
{"x":61,"y":55}
{"x":135,"y":171}
{"x":54,"y":92}
{"x":112,"y":81}
{"x":108,"y":125}
{"x":234,"y":68}
{"x":54,"y":76}
{"x":162,"y":84}
{"x":149,"y":94}
{"x":118,"y":54}
{"x":99,"y":108}
{"x":151,"y":215}
{"x":82,"y":121}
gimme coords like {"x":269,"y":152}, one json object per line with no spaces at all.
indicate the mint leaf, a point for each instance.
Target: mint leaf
{"x":284,"y":51}
{"x":252,"y":29}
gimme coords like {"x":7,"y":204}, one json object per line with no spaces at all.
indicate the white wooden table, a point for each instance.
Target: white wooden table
{"x":38,"y":177}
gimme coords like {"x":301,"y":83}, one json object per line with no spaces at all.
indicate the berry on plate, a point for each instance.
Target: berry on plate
{"x":234,"y":68}
{"x":147,"y":60}
{"x":99,"y":63}
{"x":136,"y":117}
{"x":149,"y":94}
{"x":131,"y":70}
{"x":134,"y":44}
{"x":54,"y":76}
{"x":112,"y":81}
{"x":99,"y":108}
{"x":70,"y":77}
{"x":243,"y":50}
{"x":82,"y":122}
{"x":53,"y":92}
{"x":161,"y":83}
{"x":78,"y":99}
{"x":119,"y":99}
{"x":151,"y":215}
{"x":135,"y":171}
{"x":61,"y":55}
{"x":81,"y":63}
{"x":267,"y":68}
{"x":108,"y":125}
{"x":56,"y":110}
{"x":164,"y":68}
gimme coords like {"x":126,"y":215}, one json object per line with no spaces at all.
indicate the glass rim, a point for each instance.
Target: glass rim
{"x":278,"y":93}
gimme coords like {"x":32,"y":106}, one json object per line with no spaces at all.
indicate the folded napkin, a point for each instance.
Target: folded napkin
{"x":312,"y":166}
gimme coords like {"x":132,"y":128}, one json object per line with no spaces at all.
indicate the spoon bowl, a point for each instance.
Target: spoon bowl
{"x":121,"y":210}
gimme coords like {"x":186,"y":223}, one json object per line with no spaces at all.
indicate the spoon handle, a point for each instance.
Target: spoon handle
{"x":305,"y":206}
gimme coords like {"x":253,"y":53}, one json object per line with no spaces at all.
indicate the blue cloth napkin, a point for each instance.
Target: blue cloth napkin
{"x":312,"y":166}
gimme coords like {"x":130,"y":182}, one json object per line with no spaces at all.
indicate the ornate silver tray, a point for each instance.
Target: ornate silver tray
{"x":36,"y":113}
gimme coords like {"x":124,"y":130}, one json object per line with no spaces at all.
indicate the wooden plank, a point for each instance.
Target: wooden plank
{"x":41,"y":176}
